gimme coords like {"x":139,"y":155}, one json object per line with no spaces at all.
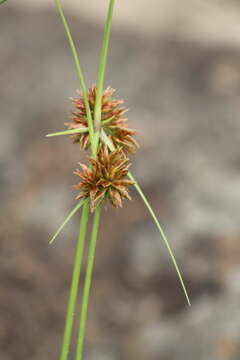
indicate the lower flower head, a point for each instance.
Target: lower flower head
{"x":105,"y":178}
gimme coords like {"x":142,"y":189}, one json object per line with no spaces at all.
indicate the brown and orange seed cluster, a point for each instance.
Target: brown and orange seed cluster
{"x":106,"y":176}
{"x":112,"y":121}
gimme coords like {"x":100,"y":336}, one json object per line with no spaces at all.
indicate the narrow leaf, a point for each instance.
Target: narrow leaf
{"x":146,"y":202}
{"x":101,"y":74}
{"x":2,"y":1}
{"x":106,"y":141}
{"x":70,"y":215}
{"x":87,"y":284}
{"x":78,"y":69}
{"x":69,"y":132}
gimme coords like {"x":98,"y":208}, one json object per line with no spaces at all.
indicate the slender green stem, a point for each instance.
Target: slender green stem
{"x":101,"y":73}
{"x":103,"y":62}
{"x":96,"y":219}
{"x":78,"y":69}
{"x":75,"y":282}
{"x":69,"y":132}
{"x":87,"y":284}
{"x":94,"y":139}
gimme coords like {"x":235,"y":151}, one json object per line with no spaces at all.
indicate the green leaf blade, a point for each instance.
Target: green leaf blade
{"x":68,"y":132}
{"x":78,"y":70}
{"x":70,"y":215}
{"x":107,"y":142}
{"x":101,"y":74}
{"x":166,"y":242}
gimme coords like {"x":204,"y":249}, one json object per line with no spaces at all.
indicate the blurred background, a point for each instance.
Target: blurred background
{"x":177,"y":65}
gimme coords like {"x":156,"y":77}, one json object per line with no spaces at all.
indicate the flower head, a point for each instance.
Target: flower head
{"x":106,"y":178}
{"x":112,"y":121}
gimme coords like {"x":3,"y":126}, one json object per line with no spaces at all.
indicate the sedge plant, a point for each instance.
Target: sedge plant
{"x":98,"y":126}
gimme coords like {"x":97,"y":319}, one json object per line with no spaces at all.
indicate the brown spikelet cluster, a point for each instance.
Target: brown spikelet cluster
{"x":112,"y":121}
{"x":105,"y":178}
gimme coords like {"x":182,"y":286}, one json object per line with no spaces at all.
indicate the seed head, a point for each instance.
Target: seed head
{"x":112,"y":121}
{"x":105,"y":178}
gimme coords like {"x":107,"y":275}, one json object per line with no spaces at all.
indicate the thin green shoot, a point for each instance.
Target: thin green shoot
{"x":106,"y":140}
{"x":96,"y":219}
{"x":87,"y":284}
{"x":75,"y":283}
{"x":78,"y":69}
{"x":101,"y":72}
{"x":70,"y":215}
{"x":166,"y":242}
{"x":69,"y":132}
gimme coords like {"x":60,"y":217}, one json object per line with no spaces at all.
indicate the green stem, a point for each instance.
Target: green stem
{"x":87,"y":284}
{"x":101,"y":73}
{"x":75,"y":282}
{"x":78,"y":69}
{"x":96,"y":219}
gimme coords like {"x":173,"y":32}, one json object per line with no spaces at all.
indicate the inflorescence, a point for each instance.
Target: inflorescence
{"x":105,"y":177}
{"x":113,"y":121}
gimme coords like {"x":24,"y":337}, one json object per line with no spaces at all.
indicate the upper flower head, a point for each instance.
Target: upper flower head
{"x":106,"y":178}
{"x":112,"y":121}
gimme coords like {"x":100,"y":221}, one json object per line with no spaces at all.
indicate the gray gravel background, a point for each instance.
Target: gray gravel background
{"x":178,"y":69}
